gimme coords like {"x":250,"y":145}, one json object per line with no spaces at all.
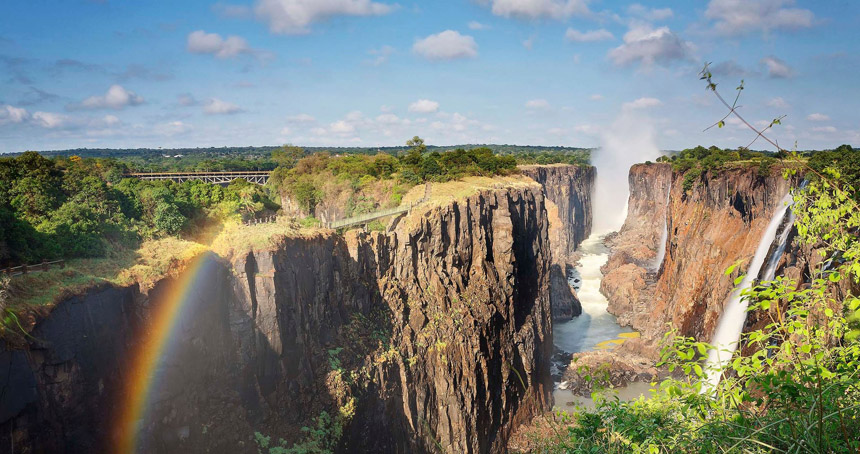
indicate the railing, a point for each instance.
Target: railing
{"x":264,"y":220}
{"x":25,"y":269}
{"x":258,"y":177}
{"x":365,"y":218}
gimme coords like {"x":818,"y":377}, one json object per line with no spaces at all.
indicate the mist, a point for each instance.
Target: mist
{"x":629,"y":140}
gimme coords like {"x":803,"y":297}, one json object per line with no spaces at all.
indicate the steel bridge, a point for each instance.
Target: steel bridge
{"x":259,"y":177}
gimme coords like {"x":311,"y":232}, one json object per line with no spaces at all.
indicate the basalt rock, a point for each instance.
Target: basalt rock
{"x":568,"y":190}
{"x":719,"y":221}
{"x":437,"y":334}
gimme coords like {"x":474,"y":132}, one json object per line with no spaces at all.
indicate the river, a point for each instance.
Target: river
{"x":596,"y":328}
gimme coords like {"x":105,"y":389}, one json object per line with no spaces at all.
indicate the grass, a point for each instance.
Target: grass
{"x":146,"y":265}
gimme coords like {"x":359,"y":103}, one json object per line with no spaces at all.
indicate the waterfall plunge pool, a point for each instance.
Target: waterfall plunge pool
{"x":595,"y":329}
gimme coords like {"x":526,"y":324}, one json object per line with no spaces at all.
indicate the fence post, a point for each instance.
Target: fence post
{"x":24,"y":269}
{"x":62,"y":264}
{"x":44,"y":265}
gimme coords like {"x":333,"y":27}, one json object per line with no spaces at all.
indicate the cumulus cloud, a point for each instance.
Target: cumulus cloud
{"x":650,"y":14}
{"x":200,"y":42}
{"x":116,"y":98}
{"x":641,"y":103}
{"x":216,"y":106}
{"x":49,"y":120}
{"x":172,"y":128}
{"x":296,"y":16}
{"x":825,"y":129}
{"x":776,"y":68}
{"x":740,"y":17}
{"x":596,"y":97}
{"x":589,"y":36}
{"x":532,"y":9}
{"x":778,"y":103}
{"x":649,"y":46}
{"x":475,"y":25}
{"x":12,"y":114}
{"x":381,"y":55}
{"x":728,"y":68}
{"x":448,"y":45}
{"x":817,"y":117}
{"x":424,"y":106}
{"x":342,"y":127}
{"x":537,"y":104}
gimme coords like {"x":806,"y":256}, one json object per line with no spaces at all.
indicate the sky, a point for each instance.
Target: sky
{"x":200,"y":73}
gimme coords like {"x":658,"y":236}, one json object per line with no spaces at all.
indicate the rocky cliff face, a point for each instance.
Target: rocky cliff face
{"x":435,"y":335}
{"x":718,"y":221}
{"x":568,"y":189}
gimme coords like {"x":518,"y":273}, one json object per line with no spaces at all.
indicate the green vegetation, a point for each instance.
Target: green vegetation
{"x":794,"y":387}
{"x":365,"y":183}
{"x":71,"y":208}
{"x":695,"y":162}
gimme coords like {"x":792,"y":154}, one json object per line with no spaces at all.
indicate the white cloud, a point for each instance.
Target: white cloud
{"x":380,"y":55}
{"x":447,"y":45}
{"x":537,"y":104}
{"x":589,"y":36}
{"x":596,"y":97}
{"x":776,"y":68}
{"x":110,"y":120}
{"x":475,"y":25}
{"x":817,"y":117}
{"x":641,"y":103}
{"x":216,"y":106}
{"x":12,"y":114}
{"x":301,"y":118}
{"x":826,"y":129}
{"x":342,"y":127}
{"x":200,"y":42}
{"x":116,"y":97}
{"x":728,"y":68}
{"x":739,"y":17}
{"x":424,"y":106}
{"x":49,"y":120}
{"x":650,"y":14}
{"x":172,"y":128}
{"x":296,"y":16}
{"x":778,"y":103}
{"x":532,"y":9}
{"x":648,"y":46}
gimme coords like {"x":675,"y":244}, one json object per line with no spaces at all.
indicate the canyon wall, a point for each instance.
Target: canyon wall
{"x":569,"y":190}
{"x":718,"y":221}
{"x":435,"y":335}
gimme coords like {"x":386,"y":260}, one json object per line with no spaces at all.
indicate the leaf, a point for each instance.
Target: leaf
{"x":721,"y":123}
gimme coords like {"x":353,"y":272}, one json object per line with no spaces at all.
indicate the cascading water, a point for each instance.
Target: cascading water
{"x":661,"y":248}
{"x":734,"y":316}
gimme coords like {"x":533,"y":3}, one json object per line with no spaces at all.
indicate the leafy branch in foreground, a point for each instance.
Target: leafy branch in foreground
{"x":794,"y":385}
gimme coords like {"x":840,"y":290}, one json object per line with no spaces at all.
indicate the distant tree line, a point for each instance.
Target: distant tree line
{"x":74,"y":207}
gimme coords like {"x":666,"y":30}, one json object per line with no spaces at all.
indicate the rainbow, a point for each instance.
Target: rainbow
{"x":166,"y":314}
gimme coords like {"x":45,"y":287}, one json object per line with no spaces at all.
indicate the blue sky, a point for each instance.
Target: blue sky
{"x":112,"y":73}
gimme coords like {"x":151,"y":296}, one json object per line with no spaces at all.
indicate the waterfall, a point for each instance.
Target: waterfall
{"x":661,"y":248}
{"x":731,"y":323}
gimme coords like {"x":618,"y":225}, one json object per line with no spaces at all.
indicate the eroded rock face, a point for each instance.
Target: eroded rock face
{"x":568,"y":190}
{"x":468,"y":293}
{"x":459,"y":295}
{"x":719,"y":221}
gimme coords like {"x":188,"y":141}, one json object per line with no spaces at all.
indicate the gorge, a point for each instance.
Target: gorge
{"x":435,"y":334}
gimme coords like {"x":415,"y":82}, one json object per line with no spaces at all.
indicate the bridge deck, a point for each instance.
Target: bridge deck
{"x":258,"y":177}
